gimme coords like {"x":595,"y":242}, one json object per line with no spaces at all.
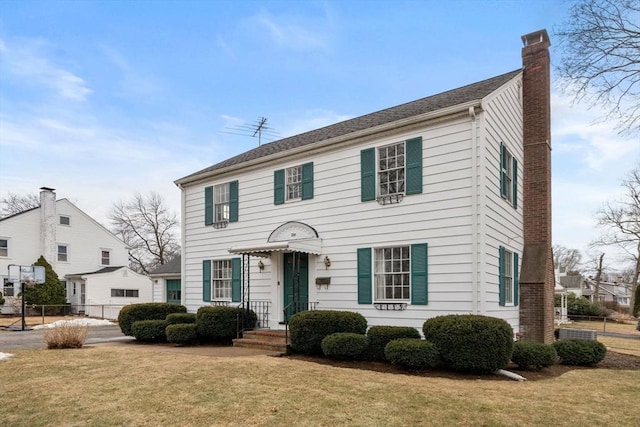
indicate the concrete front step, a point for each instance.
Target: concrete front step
{"x":263,"y":339}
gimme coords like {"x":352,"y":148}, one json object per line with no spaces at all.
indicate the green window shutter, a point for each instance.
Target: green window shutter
{"x":208,"y":205}
{"x":307,"y":181}
{"x":413,"y":156}
{"x":233,"y":201}
{"x":514,"y":191}
{"x":236,"y":280}
{"x":278,"y":187}
{"x":516,"y":280}
{"x":368,"y":174}
{"x":501,"y":278}
{"x":364,"y":276}
{"x":206,"y":280}
{"x":503,"y":178}
{"x":419,"y":276}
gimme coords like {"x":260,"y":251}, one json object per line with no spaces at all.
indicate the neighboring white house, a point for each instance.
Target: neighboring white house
{"x":69,"y":239}
{"x":166,"y":282}
{"x":403,"y":214}
{"x":104,"y":292}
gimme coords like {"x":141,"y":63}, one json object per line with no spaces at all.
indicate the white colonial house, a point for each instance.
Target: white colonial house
{"x":401,"y":215}
{"x":69,"y":239}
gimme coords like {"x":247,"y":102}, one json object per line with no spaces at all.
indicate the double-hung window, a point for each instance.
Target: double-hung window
{"x":293,"y":183}
{"x":65,"y":220}
{"x":508,"y":286}
{"x":390,"y":172}
{"x":391,"y":169}
{"x":392,"y":273}
{"x":8,"y":288}
{"x":222,"y":280}
{"x":508,"y":176}
{"x":4,"y":247}
{"x":221,"y":204}
{"x":105,"y":257}
{"x":63,"y":253}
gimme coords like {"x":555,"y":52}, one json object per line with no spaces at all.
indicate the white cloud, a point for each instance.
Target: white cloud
{"x":26,"y":60}
{"x":132,"y":83}
{"x":583,"y":132}
{"x":296,"y":36}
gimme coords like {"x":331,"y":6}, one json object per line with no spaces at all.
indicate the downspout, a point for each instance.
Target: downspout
{"x":475,"y":287}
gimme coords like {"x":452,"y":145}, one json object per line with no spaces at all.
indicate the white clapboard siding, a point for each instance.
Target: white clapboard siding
{"x":455,"y":176}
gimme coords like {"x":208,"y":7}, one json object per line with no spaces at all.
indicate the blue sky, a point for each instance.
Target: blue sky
{"x":103,"y":99}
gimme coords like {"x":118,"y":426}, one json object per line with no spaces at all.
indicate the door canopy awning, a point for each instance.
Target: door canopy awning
{"x":264,"y":250}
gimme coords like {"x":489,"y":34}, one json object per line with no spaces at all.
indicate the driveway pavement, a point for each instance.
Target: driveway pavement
{"x":12,"y":340}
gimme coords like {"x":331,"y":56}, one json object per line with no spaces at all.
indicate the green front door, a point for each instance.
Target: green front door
{"x":174,"y":291}
{"x":296,"y":283}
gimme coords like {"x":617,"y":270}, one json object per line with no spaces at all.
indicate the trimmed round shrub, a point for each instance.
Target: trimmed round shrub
{"x":222,"y":323}
{"x":182,"y":333}
{"x":380,"y":336}
{"x":345,"y":345}
{"x":471,"y":342}
{"x":580,"y":352}
{"x":146,"y":311}
{"x":307,"y":329}
{"x":533,"y":356}
{"x":178,"y":318}
{"x":412,"y":353}
{"x":149,"y":330}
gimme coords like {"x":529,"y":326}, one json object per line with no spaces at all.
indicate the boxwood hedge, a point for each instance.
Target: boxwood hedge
{"x":412,"y":353}
{"x":222,"y":323}
{"x":580,"y":352}
{"x":533,"y":356}
{"x":470,"y":342}
{"x":309,"y":328}
{"x":182,"y":333}
{"x":149,"y":330}
{"x":146,"y":311}
{"x":177,"y":318}
{"x":345,"y":345}
{"x":380,"y":336}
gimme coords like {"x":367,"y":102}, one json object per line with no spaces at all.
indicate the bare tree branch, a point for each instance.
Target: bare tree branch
{"x":148,"y":228}
{"x":620,"y":221}
{"x":600,"y":62}
{"x":13,"y":204}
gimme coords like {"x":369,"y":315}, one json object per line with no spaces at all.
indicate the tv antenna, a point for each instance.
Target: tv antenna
{"x":259,"y":129}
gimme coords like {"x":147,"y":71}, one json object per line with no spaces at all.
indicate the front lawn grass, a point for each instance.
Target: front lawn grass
{"x":121,"y":385}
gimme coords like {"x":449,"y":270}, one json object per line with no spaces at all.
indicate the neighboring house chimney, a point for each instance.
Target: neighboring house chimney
{"x":48,"y":224}
{"x":537,"y":280}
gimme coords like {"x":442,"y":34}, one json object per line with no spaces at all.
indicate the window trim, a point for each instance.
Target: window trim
{"x":381,"y":275}
{"x":126,"y":293}
{"x":67,"y":217}
{"x":102,"y":258}
{"x":4,"y":249}
{"x":291,"y":185}
{"x":65,"y":253}
{"x":508,"y":176}
{"x":219,"y":293}
{"x":508,"y":278}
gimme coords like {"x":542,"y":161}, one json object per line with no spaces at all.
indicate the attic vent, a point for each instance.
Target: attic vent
{"x":577,"y":334}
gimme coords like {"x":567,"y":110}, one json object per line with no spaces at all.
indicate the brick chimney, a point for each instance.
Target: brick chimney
{"x":48,"y":224}
{"x":537,"y":280}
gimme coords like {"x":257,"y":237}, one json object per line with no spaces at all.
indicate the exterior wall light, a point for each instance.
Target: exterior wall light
{"x":260,"y":265}
{"x":327,"y":262}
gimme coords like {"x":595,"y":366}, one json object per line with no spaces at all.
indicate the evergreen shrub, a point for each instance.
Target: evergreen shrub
{"x":307,"y":329}
{"x":222,"y":323}
{"x":177,"y":318}
{"x":533,"y":356}
{"x":580,"y":352}
{"x":345,"y":345}
{"x":146,"y":311}
{"x":380,"y":336}
{"x":470,"y":342}
{"x":412,"y":353}
{"x":182,"y":333}
{"x":149,"y":330}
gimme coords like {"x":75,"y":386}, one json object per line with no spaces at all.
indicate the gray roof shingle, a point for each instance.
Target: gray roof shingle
{"x":172,"y":267}
{"x":472,"y":92}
